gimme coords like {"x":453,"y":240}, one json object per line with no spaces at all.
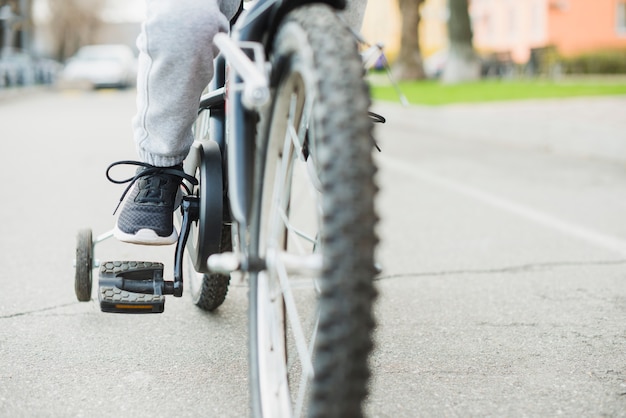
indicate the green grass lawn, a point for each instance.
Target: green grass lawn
{"x":435,"y":93}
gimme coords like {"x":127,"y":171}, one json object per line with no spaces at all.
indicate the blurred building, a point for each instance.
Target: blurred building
{"x":514,"y":27}
{"x":572,"y":26}
{"x":381,"y":24}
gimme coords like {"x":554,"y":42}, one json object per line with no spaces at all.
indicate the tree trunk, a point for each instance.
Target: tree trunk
{"x":409,"y":65}
{"x":462,"y":63}
{"x":74,"y":23}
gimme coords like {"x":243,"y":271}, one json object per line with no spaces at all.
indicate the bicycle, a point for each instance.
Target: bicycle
{"x":284,"y":192}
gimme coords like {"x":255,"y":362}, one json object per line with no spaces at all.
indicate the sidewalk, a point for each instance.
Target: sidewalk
{"x":589,"y":127}
{"x":18,"y":92}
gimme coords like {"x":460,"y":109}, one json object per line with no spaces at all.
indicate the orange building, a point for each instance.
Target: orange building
{"x":572,"y":26}
{"x":576,"y":26}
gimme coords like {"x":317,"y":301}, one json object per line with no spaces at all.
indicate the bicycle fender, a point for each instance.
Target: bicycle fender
{"x":258,"y":25}
{"x":264,"y":17}
{"x":335,"y":4}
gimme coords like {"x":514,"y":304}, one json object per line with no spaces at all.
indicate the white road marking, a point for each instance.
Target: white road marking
{"x":607,"y":242}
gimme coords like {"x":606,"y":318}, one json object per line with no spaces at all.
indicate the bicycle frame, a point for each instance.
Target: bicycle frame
{"x":234,"y":98}
{"x":227,"y":160}
{"x":227,"y":167}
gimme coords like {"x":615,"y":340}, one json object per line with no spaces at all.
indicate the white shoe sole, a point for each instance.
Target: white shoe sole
{"x":145,"y":237}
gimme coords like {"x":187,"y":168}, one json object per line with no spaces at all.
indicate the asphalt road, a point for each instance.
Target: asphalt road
{"x":503,"y":291}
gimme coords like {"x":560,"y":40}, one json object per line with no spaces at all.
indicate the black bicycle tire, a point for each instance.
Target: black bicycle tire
{"x":208,"y":290}
{"x":347,"y":174}
{"x":214,"y":288}
{"x":83,"y":275}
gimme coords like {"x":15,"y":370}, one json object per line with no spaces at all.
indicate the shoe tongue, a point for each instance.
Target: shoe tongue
{"x":151,"y":189}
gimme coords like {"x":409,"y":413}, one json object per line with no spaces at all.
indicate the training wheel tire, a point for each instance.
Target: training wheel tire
{"x":84,"y":265}
{"x":208,"y":290}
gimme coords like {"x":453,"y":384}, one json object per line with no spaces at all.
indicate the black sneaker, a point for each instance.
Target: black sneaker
{"x":148,"y":203}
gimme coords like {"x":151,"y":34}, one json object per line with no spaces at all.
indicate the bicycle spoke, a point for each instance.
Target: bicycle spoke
{"x":293,"y":317}
{"x":295,"y":231}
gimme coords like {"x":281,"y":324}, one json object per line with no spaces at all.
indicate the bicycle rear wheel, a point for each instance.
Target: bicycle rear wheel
{"x":210,"y":234}
{"x":311,"y":318}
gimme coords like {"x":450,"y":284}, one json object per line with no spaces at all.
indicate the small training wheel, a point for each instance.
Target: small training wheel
{"x":84,"y":265}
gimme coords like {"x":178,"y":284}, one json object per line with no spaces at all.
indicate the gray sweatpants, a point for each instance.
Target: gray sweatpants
{"x":175,"y":65}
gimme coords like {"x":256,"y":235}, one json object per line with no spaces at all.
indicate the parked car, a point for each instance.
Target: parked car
{"x":101,"y":66}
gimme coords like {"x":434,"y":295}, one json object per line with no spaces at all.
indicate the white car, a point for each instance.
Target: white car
{"x":101,"y":66}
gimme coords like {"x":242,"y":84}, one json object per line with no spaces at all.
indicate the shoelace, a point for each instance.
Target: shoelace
{"x":149,"y":170}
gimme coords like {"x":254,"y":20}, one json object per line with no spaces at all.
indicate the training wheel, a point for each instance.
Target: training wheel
{"x":84,"y":265}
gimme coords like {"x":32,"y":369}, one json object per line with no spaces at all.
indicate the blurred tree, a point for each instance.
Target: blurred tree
{"x":6,"y":13}
{"x":462,"y":63}
{"x":15,"y":22}
{"x":74,"y":23}
{"x":26,"y":25}
{"x":409,"y":65}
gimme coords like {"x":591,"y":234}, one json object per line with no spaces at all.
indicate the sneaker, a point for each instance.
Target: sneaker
{"x":147,"y":205}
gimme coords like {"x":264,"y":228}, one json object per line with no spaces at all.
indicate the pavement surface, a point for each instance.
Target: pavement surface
{"x":504,"y":250}
{"x":585,"y":127}
{"x":503,"y":290}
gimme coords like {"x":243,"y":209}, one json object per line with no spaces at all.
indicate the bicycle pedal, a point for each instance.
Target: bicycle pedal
{"x":131,"y":287}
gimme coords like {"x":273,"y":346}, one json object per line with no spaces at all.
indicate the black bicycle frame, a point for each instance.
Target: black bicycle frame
{"x":257,"y":25}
